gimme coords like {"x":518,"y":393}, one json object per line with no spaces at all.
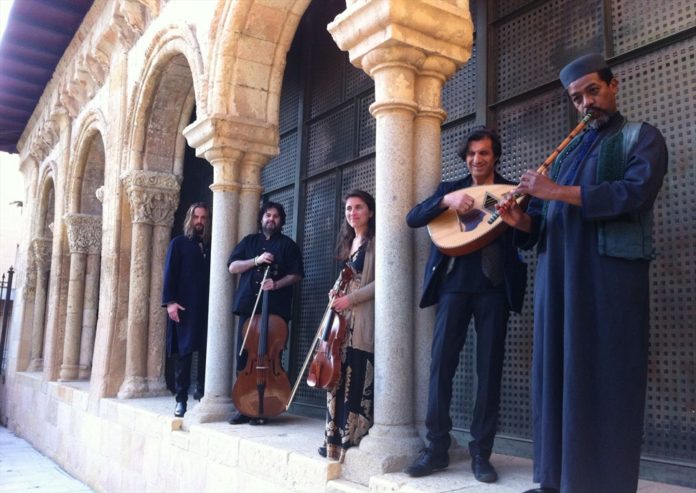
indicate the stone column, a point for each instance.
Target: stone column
{"x":427,"y":172}
{"x":41,"y":261}
{"x":84,"y":235}
{"x":89,"y":314}
{"x":393,"y":44}
{"x":153,"y":197}
{"x":158,"y":316}
{"x":226,"y":141}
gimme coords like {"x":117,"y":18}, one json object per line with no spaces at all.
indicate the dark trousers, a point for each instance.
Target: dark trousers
{"x":454,"y":311}
{"x":182,"y":374}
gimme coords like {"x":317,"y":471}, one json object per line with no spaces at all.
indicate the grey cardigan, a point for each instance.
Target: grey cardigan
{"x":362,"y":302}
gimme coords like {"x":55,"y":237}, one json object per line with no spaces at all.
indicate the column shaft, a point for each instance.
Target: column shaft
{"x":38,"y":321}
{"x":217,"y":405}
{"x":73,"y":321}
{"x":158,"y":315}
{"x":89,"y":315}
{"x":134,"y":384}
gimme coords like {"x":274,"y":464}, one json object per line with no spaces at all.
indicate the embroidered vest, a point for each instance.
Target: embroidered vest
{"x":628,"y":236}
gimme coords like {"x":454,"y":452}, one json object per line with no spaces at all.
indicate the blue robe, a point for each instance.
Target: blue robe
{"x":186,"y":281}
{"x":591,"y":317}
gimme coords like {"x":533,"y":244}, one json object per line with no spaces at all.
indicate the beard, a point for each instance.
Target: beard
{"x":199,"y":229}
{"x":600,"y":118}
{"x":269,"y":228}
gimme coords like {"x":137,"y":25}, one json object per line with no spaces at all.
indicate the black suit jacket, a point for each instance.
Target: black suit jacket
{"x":435,"y":270}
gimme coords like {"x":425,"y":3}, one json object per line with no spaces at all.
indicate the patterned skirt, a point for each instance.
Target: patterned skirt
{"x":349,"y":406}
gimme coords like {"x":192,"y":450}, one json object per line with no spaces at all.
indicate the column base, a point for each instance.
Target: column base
{"x":68,"y":373}
{"x":35,"y":365}
{"x":84,"y":373}
{"x":157,"y":387}
{"x":384,"y":450}
{"x":133,"y":387}
{"x":209,"y":410}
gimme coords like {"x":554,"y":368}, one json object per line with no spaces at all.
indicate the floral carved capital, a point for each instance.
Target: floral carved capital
{"x":153,"y":196}
{"x":84,"y":233}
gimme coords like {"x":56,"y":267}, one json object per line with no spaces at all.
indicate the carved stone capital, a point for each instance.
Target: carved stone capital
{"x":84,"y":233}
{"x":41,"y":253}
{"x":229,"y":142}
{"x":430,"y":26}
{"x":153,"y":196}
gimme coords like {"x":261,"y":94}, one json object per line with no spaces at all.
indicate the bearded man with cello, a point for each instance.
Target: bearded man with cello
{"x":271,"y":254}
{"x":487,"y":283}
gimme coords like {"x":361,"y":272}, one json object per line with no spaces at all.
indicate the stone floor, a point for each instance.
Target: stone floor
{"x":24,"y":469}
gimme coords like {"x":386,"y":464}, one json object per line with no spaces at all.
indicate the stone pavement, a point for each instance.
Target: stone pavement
{"x":24,"y":469}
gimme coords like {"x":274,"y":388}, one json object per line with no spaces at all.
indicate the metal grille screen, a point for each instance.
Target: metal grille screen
{"x":333,"y":142}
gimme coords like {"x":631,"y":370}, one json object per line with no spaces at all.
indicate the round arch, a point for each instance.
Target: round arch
{"x":248,"y":56}
{"x":87,"y":153}
{"x":171,"y":84}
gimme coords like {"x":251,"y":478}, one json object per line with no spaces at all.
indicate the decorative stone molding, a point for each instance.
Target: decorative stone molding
{"x":432,"y":26}
{"x":153,"y":196}
{"x":131,"y":18}
{"x":41,"y":253}
{"x":99,"y":193}
{"x":84,"y":233}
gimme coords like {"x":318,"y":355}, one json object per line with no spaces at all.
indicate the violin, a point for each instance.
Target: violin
{"x":262,"y":388}
{"x":325,"y":370}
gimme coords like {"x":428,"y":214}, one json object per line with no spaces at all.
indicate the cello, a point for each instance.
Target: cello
{"x":325,"y":370}
{"x":262,"y":388}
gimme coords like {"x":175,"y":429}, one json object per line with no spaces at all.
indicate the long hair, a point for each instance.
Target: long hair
{"x":347,"y":233}
{"x":188,"y":226}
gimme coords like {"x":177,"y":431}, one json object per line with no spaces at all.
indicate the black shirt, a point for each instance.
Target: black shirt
{"x":288,"y":260}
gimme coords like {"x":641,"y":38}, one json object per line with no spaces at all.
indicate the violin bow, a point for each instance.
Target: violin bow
{"x":314,"y":345}
{"x":253,"y":312}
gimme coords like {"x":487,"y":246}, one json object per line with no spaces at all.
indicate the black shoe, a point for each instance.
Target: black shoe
{"x":322,"y":450}
{"x":542,"y":489}
{"x":258,"y":421}
{"x":239,"y":419}
{"x":427,"y":463}
{"x":483,"y":469}
{"x":180,"y":409}
{"x":198,"y":394}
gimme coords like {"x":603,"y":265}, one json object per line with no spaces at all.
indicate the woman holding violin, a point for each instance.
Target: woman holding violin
{"x":349,"y":404}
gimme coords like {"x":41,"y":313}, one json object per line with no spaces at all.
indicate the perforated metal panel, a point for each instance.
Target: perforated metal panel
{"x":659,"y":88}
{"x":331,"y":140}
{"x":366,"y":126}
{"x":453,"y":167}
{"x":636,"y":23}
{"x":320,"y":269}
{"x":461,"y":102}
{"x":536,"y":44}
{"x":359,"y":175}
{"x":530,"y":131}
{"x":280,"y":171}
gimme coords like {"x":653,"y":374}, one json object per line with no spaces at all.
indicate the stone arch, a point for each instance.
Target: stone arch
{"x":39,"y":263}
{"x":248,"y":51}
{"x":171,"y":84}
{"x":83,"y":222}
{"x":86,"y":170}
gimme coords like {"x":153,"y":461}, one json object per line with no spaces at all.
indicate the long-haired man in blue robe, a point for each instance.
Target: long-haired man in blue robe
{"x":185,"y":294}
